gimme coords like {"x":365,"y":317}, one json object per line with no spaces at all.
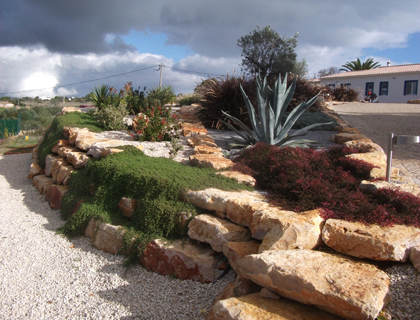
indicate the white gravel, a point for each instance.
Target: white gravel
{"x":45,"y":276}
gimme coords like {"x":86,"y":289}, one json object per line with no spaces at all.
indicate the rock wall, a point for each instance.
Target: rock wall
{"x":287,"y":263}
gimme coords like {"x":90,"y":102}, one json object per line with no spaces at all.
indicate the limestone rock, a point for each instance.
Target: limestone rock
{"x":48,"y":161}
{"x":238,"y":205}
{"x":56,"y":165}
{"x":64,"y":174}
{"x":235,"y":251}
{"x":376,"y":158}
{"x":412,"y":188}
{"x":415,"y":257}
{"x":216,"y":231}
{"x":345,"y":287}
{"x":202,"y":149}
{"x":54,"y":195}
{"x":64,"y":152}
{"x":365,"y":145}
{"x":91,"y":228}
{"x":201,"y":140}
{"x":226,"y":293}
{"x":42,"y":183}
{"x":78,"y":159}
{"x":189,"y":129}
{"x":127,"y":206}
{"x":291,"y":231}
{"x":34,"y":170}
{"x":105,"y":147}
{"x":255,"y":307}
{"x":73,"y":132}
{"x":240,"y":177}
{"x":214,"y":161}
{"x":342,"y":137}
{"x":59,"y":144}
{"x":180,"y":258}
{"x":377,"y":173}
{"x":85,"y":141}
{"x":371,"y":241}
{"x":268,"y":294}
{"x":109,"y":238}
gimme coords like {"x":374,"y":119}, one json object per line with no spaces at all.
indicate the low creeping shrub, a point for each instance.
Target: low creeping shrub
{"x":155,"y":183}
{"x":305,"y":179}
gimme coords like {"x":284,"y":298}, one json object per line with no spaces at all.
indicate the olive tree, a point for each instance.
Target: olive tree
{"x":266,"y":53}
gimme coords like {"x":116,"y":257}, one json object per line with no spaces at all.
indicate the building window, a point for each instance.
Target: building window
{"x":410,"y":87}
{"x":369,"y":87}
{"x":383,"y":88}
{"x":346,"y":85}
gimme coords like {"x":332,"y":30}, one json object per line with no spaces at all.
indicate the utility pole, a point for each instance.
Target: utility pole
{"x":160,"y":81}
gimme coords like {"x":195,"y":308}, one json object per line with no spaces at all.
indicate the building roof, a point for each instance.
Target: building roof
{"x":407,"y":68}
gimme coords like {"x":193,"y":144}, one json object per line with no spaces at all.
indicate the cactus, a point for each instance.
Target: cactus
{"x":272,"y":105}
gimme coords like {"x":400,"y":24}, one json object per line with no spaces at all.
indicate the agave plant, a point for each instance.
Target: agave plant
{"x":99,"y":95}
{"x":267,"y":126}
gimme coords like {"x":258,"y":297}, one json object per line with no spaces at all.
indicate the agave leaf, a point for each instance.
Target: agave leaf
{"x":295,"y":114}
{"x":252,"y":115}
{"x":240,"y":124}
{"x":270,"y":124}
{"x":297,"y":143}
{"x":303,"y":131}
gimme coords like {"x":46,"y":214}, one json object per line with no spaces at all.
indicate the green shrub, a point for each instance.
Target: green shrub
{"x":156,"y":184}
{"x":155,"y":124}
{"x":160,"y":96}
{"x":55,"y":132}
{"x":112,"y":117}
{"x":189,"y":99}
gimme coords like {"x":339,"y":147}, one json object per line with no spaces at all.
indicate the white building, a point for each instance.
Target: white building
{"x":396,"y":84}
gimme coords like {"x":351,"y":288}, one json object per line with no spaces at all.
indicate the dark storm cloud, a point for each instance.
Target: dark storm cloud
{"x":210,"y":28}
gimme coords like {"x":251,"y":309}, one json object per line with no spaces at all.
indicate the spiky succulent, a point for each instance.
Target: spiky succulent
{"x":267,"y":126}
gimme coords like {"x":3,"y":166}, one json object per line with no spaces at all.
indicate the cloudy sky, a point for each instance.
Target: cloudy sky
{"x":51,"y":47}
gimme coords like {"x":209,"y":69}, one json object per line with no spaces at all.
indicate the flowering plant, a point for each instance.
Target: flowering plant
{"x":155,"y":124}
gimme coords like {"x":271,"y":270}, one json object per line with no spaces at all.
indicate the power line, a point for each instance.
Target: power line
{"x":193,"y":72}
{"x":81,"y":82}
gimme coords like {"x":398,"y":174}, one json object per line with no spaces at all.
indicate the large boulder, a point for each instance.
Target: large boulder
{"x":235,"y":251}
{"x":238,"y":176}
{"x":288,"y":230}
{"x":48,"y":163}
{"x":42,"y":183}
{"x":109,"y":238}
{"x":54,"y":195}
{"x":216,"y":231}
{"x":213,"y":161}
{"x":237,"y":205}
{"x":181,"y":258}
{"x":371,"y":241}
{"x":345,"y":287}
{"x":255,"y":307}
{"x":34,"y":170}
{"x":64,"y":174}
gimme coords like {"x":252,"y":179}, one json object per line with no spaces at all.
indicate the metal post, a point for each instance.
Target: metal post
{"x":389,"y":156}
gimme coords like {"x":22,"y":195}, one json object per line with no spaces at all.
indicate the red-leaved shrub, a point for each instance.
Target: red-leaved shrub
{"x":304,"y":179}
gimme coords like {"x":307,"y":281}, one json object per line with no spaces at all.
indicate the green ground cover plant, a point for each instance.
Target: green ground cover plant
{"x":55,"y":132}
{"x":305,"y":179}
{"x":155,"y":183}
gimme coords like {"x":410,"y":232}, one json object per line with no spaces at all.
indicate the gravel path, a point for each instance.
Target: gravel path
{"x":45,"y":276}
{"x":376,"y":120}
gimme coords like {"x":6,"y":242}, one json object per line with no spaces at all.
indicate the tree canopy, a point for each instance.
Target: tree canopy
{"x":358,"y":65}
{"x":266,"y":53}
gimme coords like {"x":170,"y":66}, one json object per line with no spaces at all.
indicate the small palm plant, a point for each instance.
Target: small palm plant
{"x":272,"y":105}
{"x":99,"y":95}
